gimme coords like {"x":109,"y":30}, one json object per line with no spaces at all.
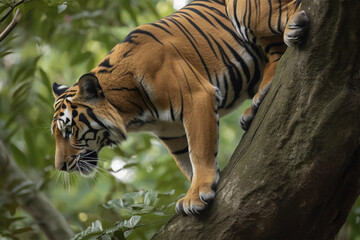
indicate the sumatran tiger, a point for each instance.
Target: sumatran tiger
{"x":174,"y":78}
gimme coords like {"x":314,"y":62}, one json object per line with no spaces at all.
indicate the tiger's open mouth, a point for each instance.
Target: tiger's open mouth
{"x":84,"y":163}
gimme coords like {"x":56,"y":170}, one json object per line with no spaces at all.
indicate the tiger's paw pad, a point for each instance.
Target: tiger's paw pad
{"x":296,"y":29}
{"x":194,"y":204}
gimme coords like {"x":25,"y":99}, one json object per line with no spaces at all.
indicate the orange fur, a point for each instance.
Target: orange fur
{"x":175,"y":78}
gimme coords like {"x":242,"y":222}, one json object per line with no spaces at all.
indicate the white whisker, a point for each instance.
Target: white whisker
{"x":95,"y":168}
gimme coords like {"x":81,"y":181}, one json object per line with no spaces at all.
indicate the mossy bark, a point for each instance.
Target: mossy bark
{"x":296,"y":172}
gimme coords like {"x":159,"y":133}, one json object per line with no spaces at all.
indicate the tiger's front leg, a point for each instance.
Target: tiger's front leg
{"x":201,"y":127}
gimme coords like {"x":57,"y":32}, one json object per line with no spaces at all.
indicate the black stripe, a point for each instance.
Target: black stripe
{"x":190,"y":67}
{"x":187,"y":80}
{"x":182,"y":151}
{"x":277,"y":44}
{"x":171,"y":138}
{"x":106,"y":63}
{"x":202,"y":34}
{"x":246,"y":23}
{"x":237,"y":23}
{"x":139,"y":31}
{"x":213,"y":9}
{"x":105,"y":71}
{"x":126,"y":54}
{"x":149,"y":100}
{"x":240,"y":60}
{"x":138,"y":106}
{"x":269,"y":20}
{"x":91,"y":114}
{"x":83,"y":119}
{"x":183,"y":29}
{"x":58,"y":107}
{"x":124,"y":89}
{"x":230,"y":31}
{"x":201,"y":15}
{"x":171,"y":110}
{"x":130,"y":39}
{"x":163,"y":22}
{"x":178,"y":14}
{"x":162,"y":28}
{"x":279,"y":19}
{"x":199,"y":55}
{"x":182,"y":106}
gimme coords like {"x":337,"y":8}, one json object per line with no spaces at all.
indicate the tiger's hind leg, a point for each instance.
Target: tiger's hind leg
{"x":296,"y":29}
{"x":274,"y":48}
{"x":294,"y":34}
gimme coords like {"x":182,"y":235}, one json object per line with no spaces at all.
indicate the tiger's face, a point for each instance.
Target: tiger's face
{"x":84,"y":122}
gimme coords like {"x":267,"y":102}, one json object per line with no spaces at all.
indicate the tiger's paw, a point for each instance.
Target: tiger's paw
{"x":245,"y":121}
{"x":249,"y":114}
{"x":196,"y":200}
{"x":296,"y":29}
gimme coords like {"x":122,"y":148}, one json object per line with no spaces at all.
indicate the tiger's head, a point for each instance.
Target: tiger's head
{"x":84,"y":122}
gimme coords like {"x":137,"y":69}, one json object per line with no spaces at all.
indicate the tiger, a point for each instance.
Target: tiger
{"x":173,"y":78}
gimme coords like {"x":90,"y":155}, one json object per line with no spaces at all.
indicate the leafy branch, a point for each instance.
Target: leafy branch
{"x":138,"y":205}
{"x":11,"y":8}
{"x":11,"y":26}
{"x":14,"y":21}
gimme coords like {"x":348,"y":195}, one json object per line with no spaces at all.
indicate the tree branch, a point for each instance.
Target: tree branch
{"x":295,"y":173}
{"x":12,"y":7}
{"x":51,"y":222}
{"x":11,"y":26}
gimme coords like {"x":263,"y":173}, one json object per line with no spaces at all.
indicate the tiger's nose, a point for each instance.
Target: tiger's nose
{"x":62,"y":166}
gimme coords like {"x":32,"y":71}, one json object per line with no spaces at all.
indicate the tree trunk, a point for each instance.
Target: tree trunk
{"x":296,"y":172}
{"x":49,"y":219}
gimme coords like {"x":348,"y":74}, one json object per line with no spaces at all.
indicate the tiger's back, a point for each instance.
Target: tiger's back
{"x":198,"y":42}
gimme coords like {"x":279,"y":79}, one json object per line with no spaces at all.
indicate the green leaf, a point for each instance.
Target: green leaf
{"x":80,"y":58}
{"x":23,"y":230}
{"x":169,"y":193}
{"x":45,"y":80}
{"x":159,"y":213}
{"x":150,"y":197}
{"x":114,"y":204}
{"x":3,"y":54}
{"x":94,"y":230}
{"x":11,"y":207}
{"x":131,"y":12}
{"x":129,"y":224}
{"x":152,"y":8}
{"x":23,"y":188}
{"x":62,"y":7}
{"x":5,"y":221}
{"x":127,"y":233}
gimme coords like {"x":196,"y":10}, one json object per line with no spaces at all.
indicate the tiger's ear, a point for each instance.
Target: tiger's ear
{"x":58,"y":89}
{"x":89,"y":87}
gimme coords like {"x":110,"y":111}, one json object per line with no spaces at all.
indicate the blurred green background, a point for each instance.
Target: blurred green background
{"x":59,"y":41}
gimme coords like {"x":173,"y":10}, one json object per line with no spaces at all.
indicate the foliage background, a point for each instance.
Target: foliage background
{"x":59,"y":41}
